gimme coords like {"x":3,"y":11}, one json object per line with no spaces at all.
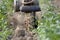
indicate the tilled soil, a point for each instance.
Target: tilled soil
{"x":23,"y":22}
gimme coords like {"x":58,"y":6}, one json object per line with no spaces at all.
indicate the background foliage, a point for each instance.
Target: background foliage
{"x":5,"y":7}
{"x":49,"y":25}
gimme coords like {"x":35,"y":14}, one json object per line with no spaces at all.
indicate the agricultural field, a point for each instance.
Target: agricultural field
{"x":48,"y":27}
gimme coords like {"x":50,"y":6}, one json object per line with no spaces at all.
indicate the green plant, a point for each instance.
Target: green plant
{"x":5,"y":6}
{"x":49,"y":25}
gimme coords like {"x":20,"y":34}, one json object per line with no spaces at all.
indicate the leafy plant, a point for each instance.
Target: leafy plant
{"x":5,"y":6}
{"x":49,"y":25}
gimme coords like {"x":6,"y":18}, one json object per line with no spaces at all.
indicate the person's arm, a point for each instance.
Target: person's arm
{"x":27,"y":2}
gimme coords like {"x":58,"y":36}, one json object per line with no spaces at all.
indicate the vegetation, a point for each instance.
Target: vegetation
{"x":5,"y":6}
{"x":49,"y":25}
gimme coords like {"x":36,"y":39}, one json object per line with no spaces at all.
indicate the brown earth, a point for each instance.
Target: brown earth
{"x":22,"y":23}
{"x":56,"y":3}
